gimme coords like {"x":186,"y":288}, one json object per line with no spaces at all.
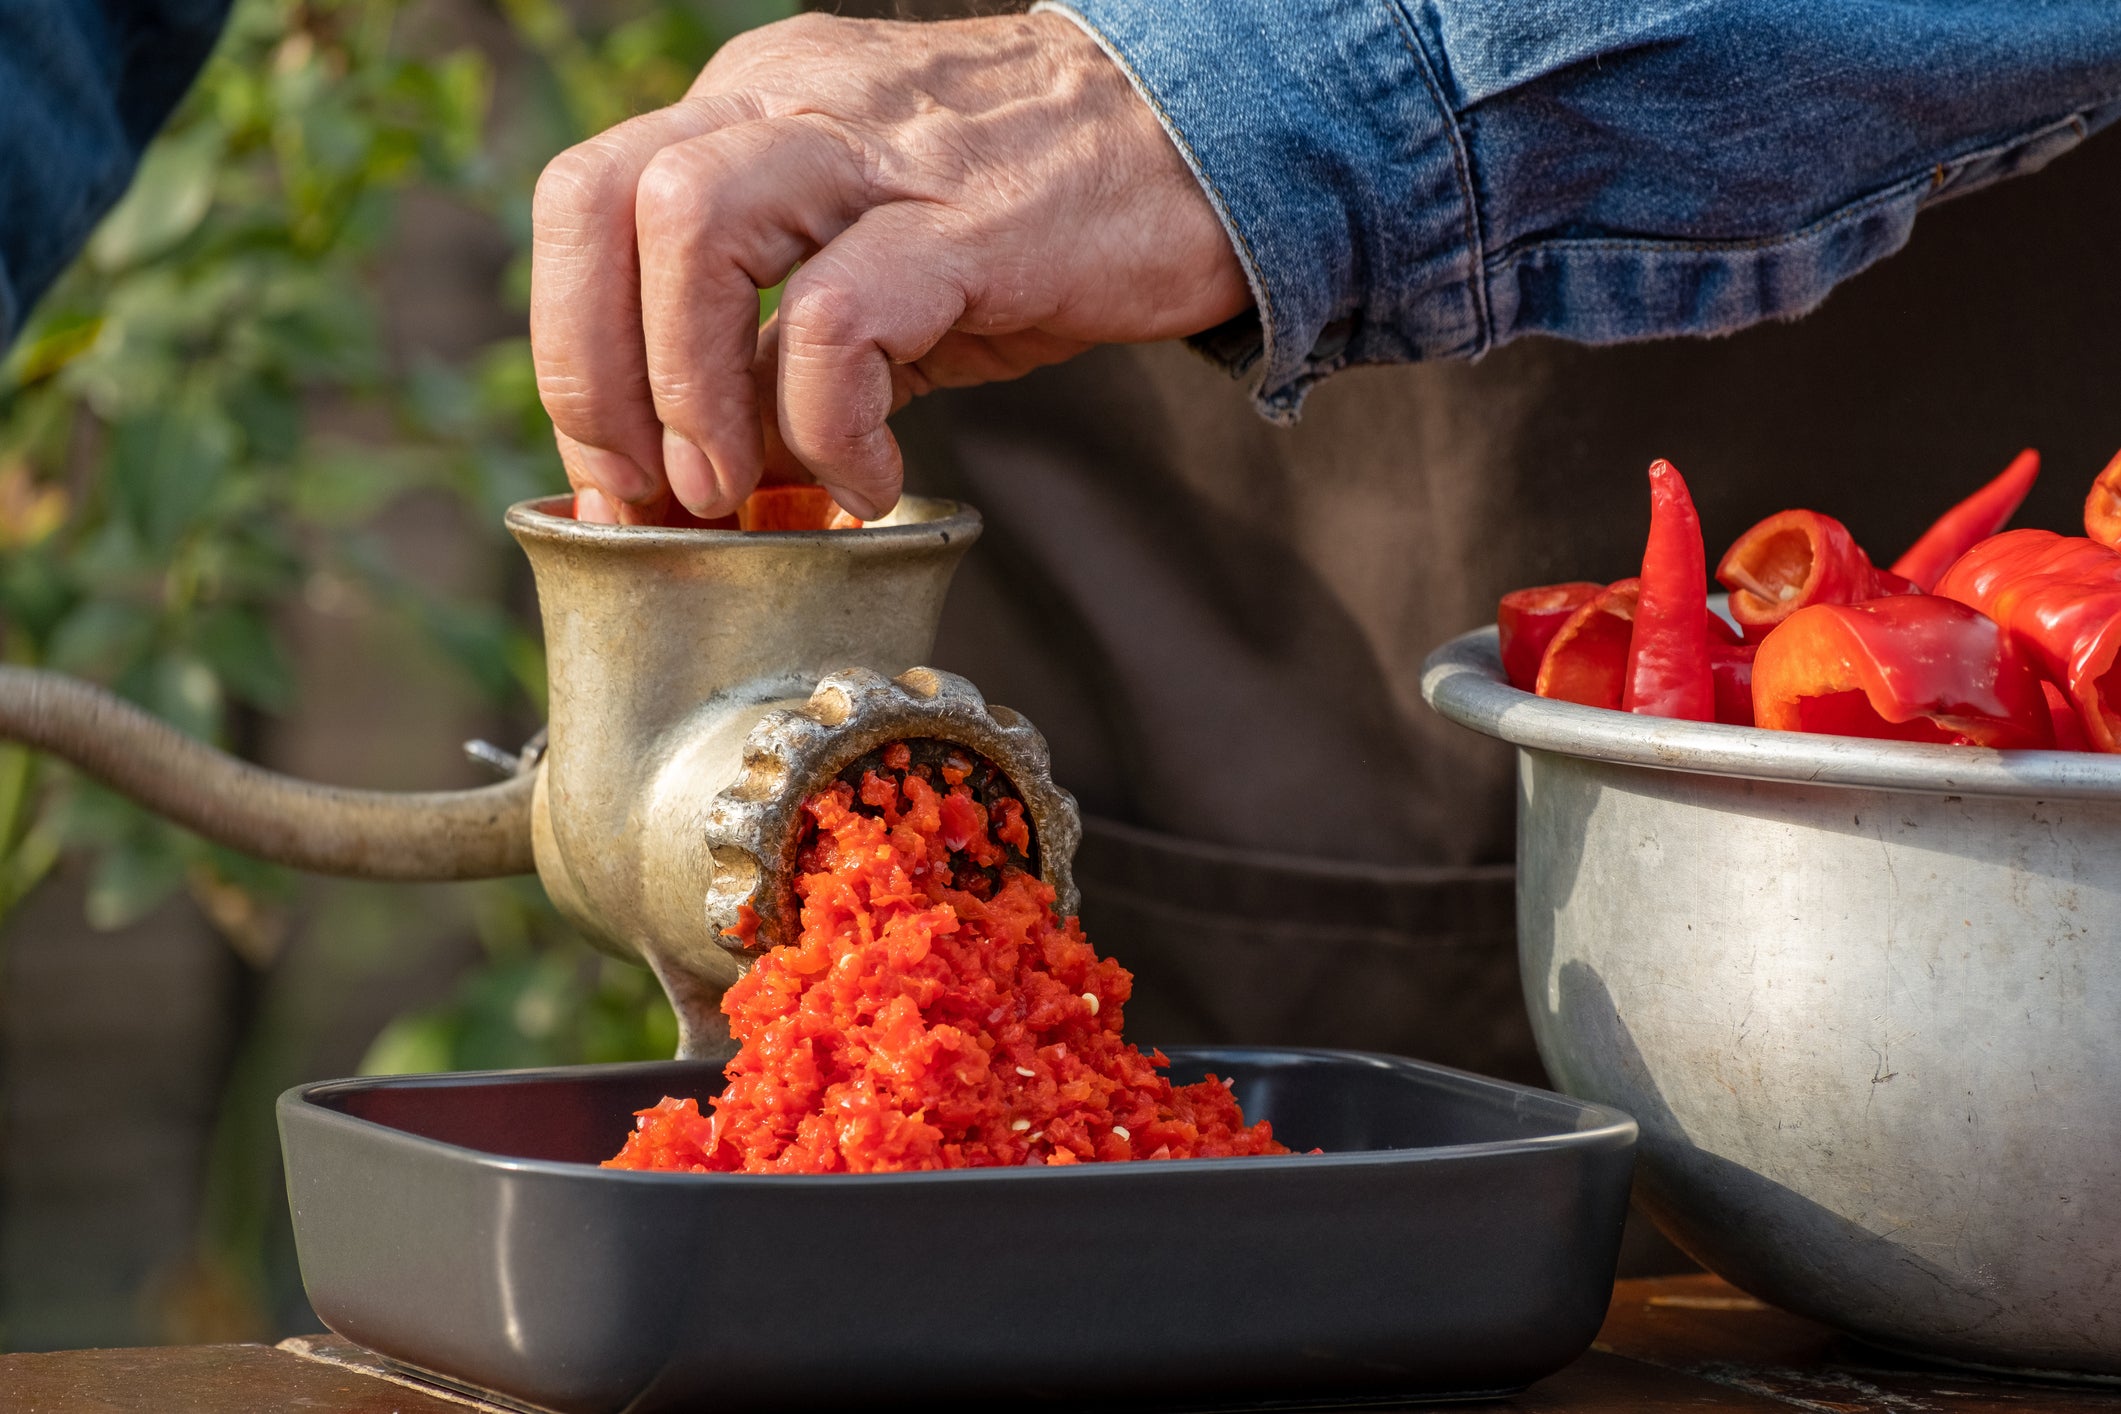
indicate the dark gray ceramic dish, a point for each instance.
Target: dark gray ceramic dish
{"x":1456,"y":1239}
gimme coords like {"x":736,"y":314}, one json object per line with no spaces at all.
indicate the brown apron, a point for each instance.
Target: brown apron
{"x":1220,"y":624}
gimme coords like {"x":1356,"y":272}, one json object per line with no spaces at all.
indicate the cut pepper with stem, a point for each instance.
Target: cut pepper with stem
{"x":1906,"y":668}
{"x":2102,"y":508}
{"x":1587,"y":660}
{"x":1668,"y":649}
{"x":1528,"y":619}
{"x":1794,"y":559}
{"x":1970,"y":522}
{"x":2059,"y":598}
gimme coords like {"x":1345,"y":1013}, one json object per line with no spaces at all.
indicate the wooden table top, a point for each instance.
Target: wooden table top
{"x":1669,"y":1343}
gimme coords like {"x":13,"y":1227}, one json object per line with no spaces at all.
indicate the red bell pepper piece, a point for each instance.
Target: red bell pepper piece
{"x":1731,"y":671}
{"x":1587,"y":660}
{"x":1794,"y":559}
{"x":1970,"y":522}
{"x":2059,"y":597}
{"x":793,"y":508}
{"x":1528,"y":619}
{"x":2069,"y":732}
{"x":1668,"y":651}
{"x":768,"y":508}
{"x":1909,"y":668}
{"x":2102,"y":508}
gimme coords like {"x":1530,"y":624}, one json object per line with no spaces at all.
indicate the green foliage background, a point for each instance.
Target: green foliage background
{"x":169,"y":480}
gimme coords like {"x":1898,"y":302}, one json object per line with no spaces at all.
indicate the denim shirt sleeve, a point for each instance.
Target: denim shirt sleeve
{"x":1411,"y":179}
{"x":84,"y":84}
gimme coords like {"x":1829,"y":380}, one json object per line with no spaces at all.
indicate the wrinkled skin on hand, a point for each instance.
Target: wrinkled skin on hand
{"x":959,"y":203}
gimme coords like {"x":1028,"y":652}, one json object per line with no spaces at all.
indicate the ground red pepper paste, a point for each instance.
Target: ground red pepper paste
{"x":934,"y":1013}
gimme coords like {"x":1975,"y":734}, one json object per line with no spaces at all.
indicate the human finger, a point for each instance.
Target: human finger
{"x":593,"y":507}
{"x":718,"y":218}
{"x":961,"y":359}
{"x":585,"y":295}
{"x":596,"y":506}
{"x":872,"y":301}
{"x":781,"y":467}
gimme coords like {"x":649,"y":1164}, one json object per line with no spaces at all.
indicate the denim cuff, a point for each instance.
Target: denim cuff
{"x":1324,"y":142}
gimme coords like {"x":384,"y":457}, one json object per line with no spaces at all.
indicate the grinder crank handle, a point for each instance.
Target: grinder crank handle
{"x":408,"y":835}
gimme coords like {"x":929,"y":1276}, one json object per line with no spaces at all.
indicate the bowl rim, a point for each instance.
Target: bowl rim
{"x":1463,"y":680}
{"x":1599,"y":1125}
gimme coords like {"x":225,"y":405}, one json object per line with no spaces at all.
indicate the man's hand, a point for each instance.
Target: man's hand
{"x":959,"y":203}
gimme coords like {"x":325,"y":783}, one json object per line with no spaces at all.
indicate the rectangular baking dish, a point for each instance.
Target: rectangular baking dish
{"x":1456,"y":1239}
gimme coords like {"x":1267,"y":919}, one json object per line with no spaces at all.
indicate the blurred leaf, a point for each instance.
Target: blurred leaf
{"x":526,"y":661}
{"x":166,"y":202}
{"x":238,"y":646}
{"x":245,"y":917}
{"x":165,"y":465}
{"x":89,"y":815}
{"x":102,"y":639}
{"x":269,"y":410}
{"x":416,"y":1044}
{"x":26,"y":863}
{"x":346,"y":484}
{"x":53,"y":347}
{"x":183,"y":691}
{"x":34,"y":599}
{"x":29,"y":511}
{"x":482,"y":641}
{"x":539,"y":1000}
{"x":131,"y":880}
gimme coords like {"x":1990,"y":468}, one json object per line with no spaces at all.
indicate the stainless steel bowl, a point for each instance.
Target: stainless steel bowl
{"x":1863,"y":997}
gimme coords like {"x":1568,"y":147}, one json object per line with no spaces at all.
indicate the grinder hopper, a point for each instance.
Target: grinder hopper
{"x":703,"y":684}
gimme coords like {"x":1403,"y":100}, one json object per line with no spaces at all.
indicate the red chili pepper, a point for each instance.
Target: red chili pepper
{"x":1731,"y":670}
{"x":1794,"y":559}
{"x":1668,"y":652}
{"x":1909,"y":668}
{"x":2102,"y":508}
{"x":1970,"y":522}
{"x":2059,"y":597}
{"x":1528,"y":619}
{"x":1587,"y":659}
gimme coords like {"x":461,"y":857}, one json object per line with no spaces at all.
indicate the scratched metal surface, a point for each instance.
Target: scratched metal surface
{"x":1865,"y":1011}
{"x":1869,"y":1037}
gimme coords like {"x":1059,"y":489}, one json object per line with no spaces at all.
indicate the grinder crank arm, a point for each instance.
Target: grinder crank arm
{"x":405,"y":835}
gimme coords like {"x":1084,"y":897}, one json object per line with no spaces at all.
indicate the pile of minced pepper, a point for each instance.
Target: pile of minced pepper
{"x":935,"y":1012}
{"x":1976,"y":636}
